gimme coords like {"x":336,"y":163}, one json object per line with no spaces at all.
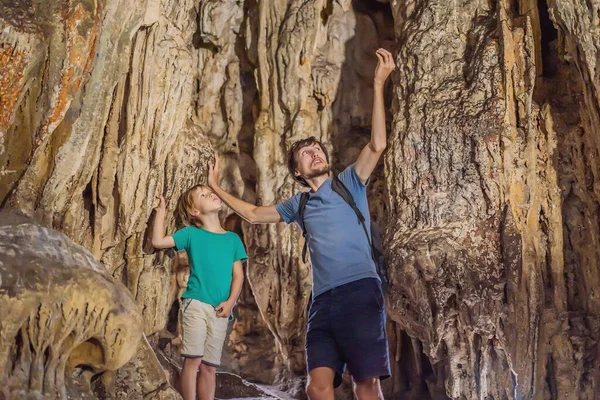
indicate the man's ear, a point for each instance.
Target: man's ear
{"x":296,"y":173}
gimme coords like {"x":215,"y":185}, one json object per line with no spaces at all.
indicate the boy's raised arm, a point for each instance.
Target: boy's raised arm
{"x":159,"y":240}
{"x":250,"y":212}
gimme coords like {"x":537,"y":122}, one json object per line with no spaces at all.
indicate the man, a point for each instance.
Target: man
{"x":346,"y":325}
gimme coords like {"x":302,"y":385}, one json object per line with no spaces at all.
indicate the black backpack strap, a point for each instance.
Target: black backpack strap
{"x":338,"y":186}
{"x":301,"y":207}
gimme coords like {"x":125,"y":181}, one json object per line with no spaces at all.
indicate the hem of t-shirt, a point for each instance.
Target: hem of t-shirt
{"x":354,"y":278}
{"x":201,"y":299}
{"x":242,"y":259}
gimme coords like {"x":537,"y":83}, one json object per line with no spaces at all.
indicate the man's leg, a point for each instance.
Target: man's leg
{"x":207,"y":382}
{"x":368,"y":389}
{"x":188,"y":378}
{"x":320,"y":384}
{"x":360,"y":334}
{"x":325,"y":366}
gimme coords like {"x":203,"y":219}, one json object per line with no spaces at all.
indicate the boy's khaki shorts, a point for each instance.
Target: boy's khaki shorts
{"x":203,"y":332}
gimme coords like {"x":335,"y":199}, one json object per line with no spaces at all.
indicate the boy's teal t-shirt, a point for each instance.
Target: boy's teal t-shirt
{"x":211,"y":256}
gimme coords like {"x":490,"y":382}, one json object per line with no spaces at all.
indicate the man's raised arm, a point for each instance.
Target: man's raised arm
{"x":250,"y":212}
{"x":369,"y":156}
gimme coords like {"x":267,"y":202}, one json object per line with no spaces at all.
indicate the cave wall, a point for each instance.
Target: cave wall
{"x":487,"y":194}
{"x":494,"y":144}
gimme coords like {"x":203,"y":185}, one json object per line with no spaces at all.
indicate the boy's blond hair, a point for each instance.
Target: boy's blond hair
{"x":185,"y":205}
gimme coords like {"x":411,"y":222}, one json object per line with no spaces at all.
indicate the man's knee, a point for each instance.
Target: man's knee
{"x":320,"y":384}
{"x":318,"y":390}
{"x":368,"y":388}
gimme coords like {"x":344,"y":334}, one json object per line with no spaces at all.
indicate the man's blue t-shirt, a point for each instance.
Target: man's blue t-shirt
{"x":339,"y":249}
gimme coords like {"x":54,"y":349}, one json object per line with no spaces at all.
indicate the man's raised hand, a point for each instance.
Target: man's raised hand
{"x":385,"y":66}
{"x":213,"y":173}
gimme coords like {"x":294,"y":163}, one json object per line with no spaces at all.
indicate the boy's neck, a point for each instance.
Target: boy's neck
{"x":211,"y":222}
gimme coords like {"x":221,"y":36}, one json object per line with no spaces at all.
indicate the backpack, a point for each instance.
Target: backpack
{"x":373,"y":238}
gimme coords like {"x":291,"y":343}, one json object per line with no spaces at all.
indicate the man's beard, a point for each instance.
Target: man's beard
{"x":318,"y":172}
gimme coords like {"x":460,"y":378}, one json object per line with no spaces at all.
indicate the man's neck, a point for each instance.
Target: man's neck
{"x":211,"y":222}
{"x":316,"y":182}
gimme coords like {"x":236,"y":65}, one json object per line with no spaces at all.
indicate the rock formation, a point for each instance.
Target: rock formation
{"x":487,"y":196}
{"x":493,"y":253}
{"x":64,"y":319}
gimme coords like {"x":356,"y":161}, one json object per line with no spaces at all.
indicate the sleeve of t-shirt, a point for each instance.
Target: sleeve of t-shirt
{"x":289,"y":209}
{"x":240,"y":252}
{"x":182,"y":238}
{"x":352,"y":181}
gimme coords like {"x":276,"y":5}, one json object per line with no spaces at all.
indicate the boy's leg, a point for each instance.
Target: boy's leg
{"x":360,"y":332}
{"x":207,"y":382}
{"x":215,"y":339}
{"x":188,"y":378}
{"x":193,"y":322}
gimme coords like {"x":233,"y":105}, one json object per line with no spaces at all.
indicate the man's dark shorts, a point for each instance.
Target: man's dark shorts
{"x":346,"y":327}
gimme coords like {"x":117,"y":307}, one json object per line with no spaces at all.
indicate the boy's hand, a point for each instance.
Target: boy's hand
{"x":223,"y":310}
{"x":161,"y":204}
{"x":385,"y":66}
{"x":213,"y":173}
{"x":159,"y":240}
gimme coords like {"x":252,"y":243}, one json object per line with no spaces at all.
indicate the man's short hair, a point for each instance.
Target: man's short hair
{"x":293,"y":163}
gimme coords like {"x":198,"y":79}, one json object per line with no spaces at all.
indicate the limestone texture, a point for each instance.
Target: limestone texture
{"x":64,"y":319}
